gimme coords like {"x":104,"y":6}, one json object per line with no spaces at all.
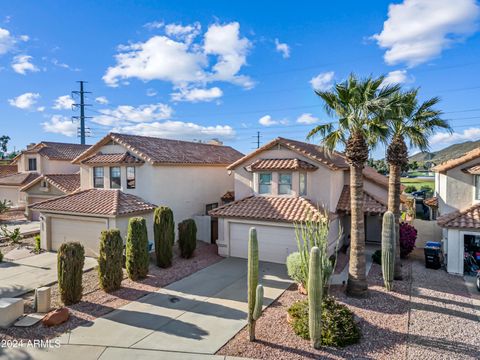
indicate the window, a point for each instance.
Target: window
{"x":285,"y":184}
{"x":265,"y":183}
{"x":32,"y":164}
{"x":303,"y":184}
{"x":130,"y":177}
{"x":115,"y":179}
{"x":477,"y":187}
{"x":98,"y":177}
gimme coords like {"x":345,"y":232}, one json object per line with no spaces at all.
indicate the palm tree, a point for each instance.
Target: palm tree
{"x":355,"y":103}
{"x":416,"y":122}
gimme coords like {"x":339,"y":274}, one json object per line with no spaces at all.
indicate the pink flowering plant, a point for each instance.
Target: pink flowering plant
{"x":408,"y":235}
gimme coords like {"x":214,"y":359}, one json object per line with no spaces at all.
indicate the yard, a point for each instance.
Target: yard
{"x":418,"y":182}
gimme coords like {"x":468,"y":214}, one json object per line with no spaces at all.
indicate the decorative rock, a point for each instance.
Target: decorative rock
{"x":10,"y":310}
{"x":42,"y":299}
{"x":56,"y":317}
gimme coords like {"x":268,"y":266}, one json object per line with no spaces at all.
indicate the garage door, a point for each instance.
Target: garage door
{"x":85,"y":231}
{"x":275,"y":243}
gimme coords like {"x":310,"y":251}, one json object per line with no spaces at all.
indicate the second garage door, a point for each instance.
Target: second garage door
{"x":85,"y":231}
{"x":275,"y":243}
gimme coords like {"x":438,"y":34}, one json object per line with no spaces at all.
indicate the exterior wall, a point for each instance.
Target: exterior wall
{"x":427,"y":231}
{"x":121,"y":223}
{"x":12,"y":194}
{"x":23,"y":162}
{"x":37,"y":190}
{"x":46,"y":166}
{"x":374,"y":228}
{"x":204,"y":227}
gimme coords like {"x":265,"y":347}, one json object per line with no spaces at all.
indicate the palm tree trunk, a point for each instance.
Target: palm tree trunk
{"x":394,"y":206}
{"x":357,"y":279}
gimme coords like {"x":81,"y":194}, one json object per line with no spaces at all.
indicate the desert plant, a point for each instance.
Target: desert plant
{"x":388,"y":249}
{"x":187,"y":238}
{"x":164,"y":235}
{"x":315,"y":297}
{"x":408,"y":236}
{"x":377,"y":257}
{"x":5,"y":205}
{"x":13,"y":236}
{"x":255,"y":290}
{"x":410,"y":189}
{"x":38,"y":246}
{"x":110,"y":258}
{"x":136,"y":252}
{"x":295,"y":269}
{"x":70,"y":260}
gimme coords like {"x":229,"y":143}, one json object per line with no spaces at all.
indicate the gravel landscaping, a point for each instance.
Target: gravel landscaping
{"x":96,"y":302}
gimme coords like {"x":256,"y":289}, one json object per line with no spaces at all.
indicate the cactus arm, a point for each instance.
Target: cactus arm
{"x":388,"y":249}
{"x":315,"y":292}
{"x":258,"y":303}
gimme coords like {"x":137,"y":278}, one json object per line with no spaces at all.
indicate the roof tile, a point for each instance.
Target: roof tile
{"x":18,"y":178}
{"x":120,"y":158}
{"x":450,"y":164}
{"x":281,"y":164}
{"x":467,"y":219}
{"x":370,"y":203}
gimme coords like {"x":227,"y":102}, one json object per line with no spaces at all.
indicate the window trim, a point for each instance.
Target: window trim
{"x":119,"y":177}
{"x":98,"y":177}
{"x":269,"y":184}
{"x":305,"y":189}
{"x":134,"y":177}
{"x":34,"y":160}
{"x":280,"y":184}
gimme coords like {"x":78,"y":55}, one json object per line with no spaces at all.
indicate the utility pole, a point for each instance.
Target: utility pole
{"x":257,"y":141}
{"x":82,"y":129}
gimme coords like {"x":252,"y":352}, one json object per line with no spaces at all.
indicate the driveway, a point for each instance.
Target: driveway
{"x":22,"y":276}
{"x":191,"y":318}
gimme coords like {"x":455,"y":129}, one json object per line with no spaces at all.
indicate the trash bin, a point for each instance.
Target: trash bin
{"x":433,"y":256}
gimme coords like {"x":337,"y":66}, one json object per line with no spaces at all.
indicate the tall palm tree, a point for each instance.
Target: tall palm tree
{"x":415,"y":122}
{"x":355,"y":104}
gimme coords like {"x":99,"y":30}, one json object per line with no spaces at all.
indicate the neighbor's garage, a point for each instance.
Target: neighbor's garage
{"x":275,"y":242}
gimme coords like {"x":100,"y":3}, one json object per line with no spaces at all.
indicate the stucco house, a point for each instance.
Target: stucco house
{"x":457,"y":197}
{"x":43,"y":158}
{"x":125,"y":175}
{"x":288,"y":181}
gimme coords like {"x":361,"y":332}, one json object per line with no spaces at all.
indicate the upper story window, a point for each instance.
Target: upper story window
{"x":265,"y":183}
{"x":32,"y":164}
{"x":284,"y":183}
{"x":98,"y":177}
{"x":115,"y":177}
{"x":131,"y":183}
{"x":477,"y":187}
{"x":302,"y":184}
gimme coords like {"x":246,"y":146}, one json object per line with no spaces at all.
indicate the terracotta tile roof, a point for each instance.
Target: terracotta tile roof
{"x":8,"y":170}
{"x":373,"y":175}
{"x":56,"y":150}
{"x":450,"y":164}
{"x":467,"y":219}
{"x":96,"y":202}
{"x":432,"y":202}
{"x":228,"y":196}
{"x":281,"y":164}
{"x":66,"y":183}
{"x":370,"y":203}
{"x":269,"y":208}
{"x":159,"y":151}
{"x":18,"y":178}
{"x":121,"y":158}
{"x":474,"y":169}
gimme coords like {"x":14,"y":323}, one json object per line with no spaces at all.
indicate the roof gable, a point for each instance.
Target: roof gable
{"x":66,"y":183}
{"x":55,"y":150}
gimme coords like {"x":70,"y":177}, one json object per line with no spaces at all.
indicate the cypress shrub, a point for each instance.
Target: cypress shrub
{"x":187,"y":238}
{"x":70,"y":260}
{"x":136,"y":252}
{"x":164,"y":235}
{"x":110,"y":273}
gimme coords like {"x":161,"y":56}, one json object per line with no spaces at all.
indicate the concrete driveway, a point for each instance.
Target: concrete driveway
{"x":22,"y":276}
{"x":191,"y":318}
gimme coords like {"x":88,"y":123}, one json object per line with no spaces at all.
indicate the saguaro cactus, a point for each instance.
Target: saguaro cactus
{"x":388,"y":249}
{"x":255,"y":291}
{"x":315,"y":297}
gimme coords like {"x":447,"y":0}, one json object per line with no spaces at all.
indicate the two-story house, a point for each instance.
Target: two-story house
{"x":288,"y":181}
{"x":38,"y":159}
{"x":457,"y":196}
{"x":126,"y":175}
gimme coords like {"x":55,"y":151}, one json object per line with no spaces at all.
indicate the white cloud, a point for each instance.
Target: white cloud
{"x":397,"y":77}
{"x":151,"y":92}
{"x":7,"y":41}
{"x":24,"y":38}
{"x":323,"y":81}
{"x":282,"y":48}
{"x":197,"y":95}
{"x":25,"y":101}
{"x":64,"y":102}
{"x":126,"y":114}
{"x":307,"y":119}
{"x":60,"y":125}
{"x":41,"y":108}
{"x":22,"y":63}
{"x":443,"y":138}
{"x":185,"y":33}
{"x":268,"y":121}
{"x":419,"y":30}
{"x":102,"y":100}
{"x":154,"y":25}
{"x":63,"y":65}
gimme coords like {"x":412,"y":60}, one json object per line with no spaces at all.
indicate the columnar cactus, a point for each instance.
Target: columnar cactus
{"x":110,"y":259}
{"x":315,"y":297}
{"x":388,"y":249}
{"x":164,"y":234}
{"x":70,"y":260}
{"x":255,"y":291}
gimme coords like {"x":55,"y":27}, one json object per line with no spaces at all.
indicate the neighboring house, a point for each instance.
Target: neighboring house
{"x":125,"y":175}
{"x":8,"y":170}
{"x":42,"y":158}
{"x":457,"y":196}
{"x":288,"y":181}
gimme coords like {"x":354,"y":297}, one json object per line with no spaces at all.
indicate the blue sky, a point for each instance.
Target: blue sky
{"x":199,"y":70}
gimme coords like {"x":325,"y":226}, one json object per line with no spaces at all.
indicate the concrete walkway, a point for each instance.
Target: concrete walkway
{"x":22,"y":276}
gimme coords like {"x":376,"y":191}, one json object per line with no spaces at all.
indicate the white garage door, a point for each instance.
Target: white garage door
{"x":86,"y":231}
{"x":275,"y":243}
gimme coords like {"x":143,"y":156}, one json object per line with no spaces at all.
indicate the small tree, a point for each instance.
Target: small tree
{"x":164,"y":235}
{"x":136,"y":252}
{"x":110,"y":273}
{"x":187,"y":238}
{"x":70,"y":258}
{"x":5,"y":205}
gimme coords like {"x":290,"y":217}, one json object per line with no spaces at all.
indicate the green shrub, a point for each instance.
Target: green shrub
{"x":295,"y":269}
{"x":410,"y":188}
{"x":377,"y":257}
{"x":164,"y":235}
{"x":70,"y":260}
{"x":428,"y":188}
{"x":187,"y":238}
{"x":338,"y":325}
{"x":110,"y":273}
{"x":38,"y":247}
{"x":136,"y":253}
{"x":1,"y":256}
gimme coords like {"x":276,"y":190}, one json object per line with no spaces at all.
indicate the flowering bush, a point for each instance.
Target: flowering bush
{"x":408,"y":235}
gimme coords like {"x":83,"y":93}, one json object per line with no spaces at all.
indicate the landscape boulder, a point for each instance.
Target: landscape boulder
{"x":56,"y":317}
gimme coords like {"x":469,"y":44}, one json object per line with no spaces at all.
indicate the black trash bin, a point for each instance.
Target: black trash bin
{"x":433,"y":256}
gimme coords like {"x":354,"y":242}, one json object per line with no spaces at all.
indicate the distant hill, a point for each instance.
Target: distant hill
{"x":450,"y":152}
